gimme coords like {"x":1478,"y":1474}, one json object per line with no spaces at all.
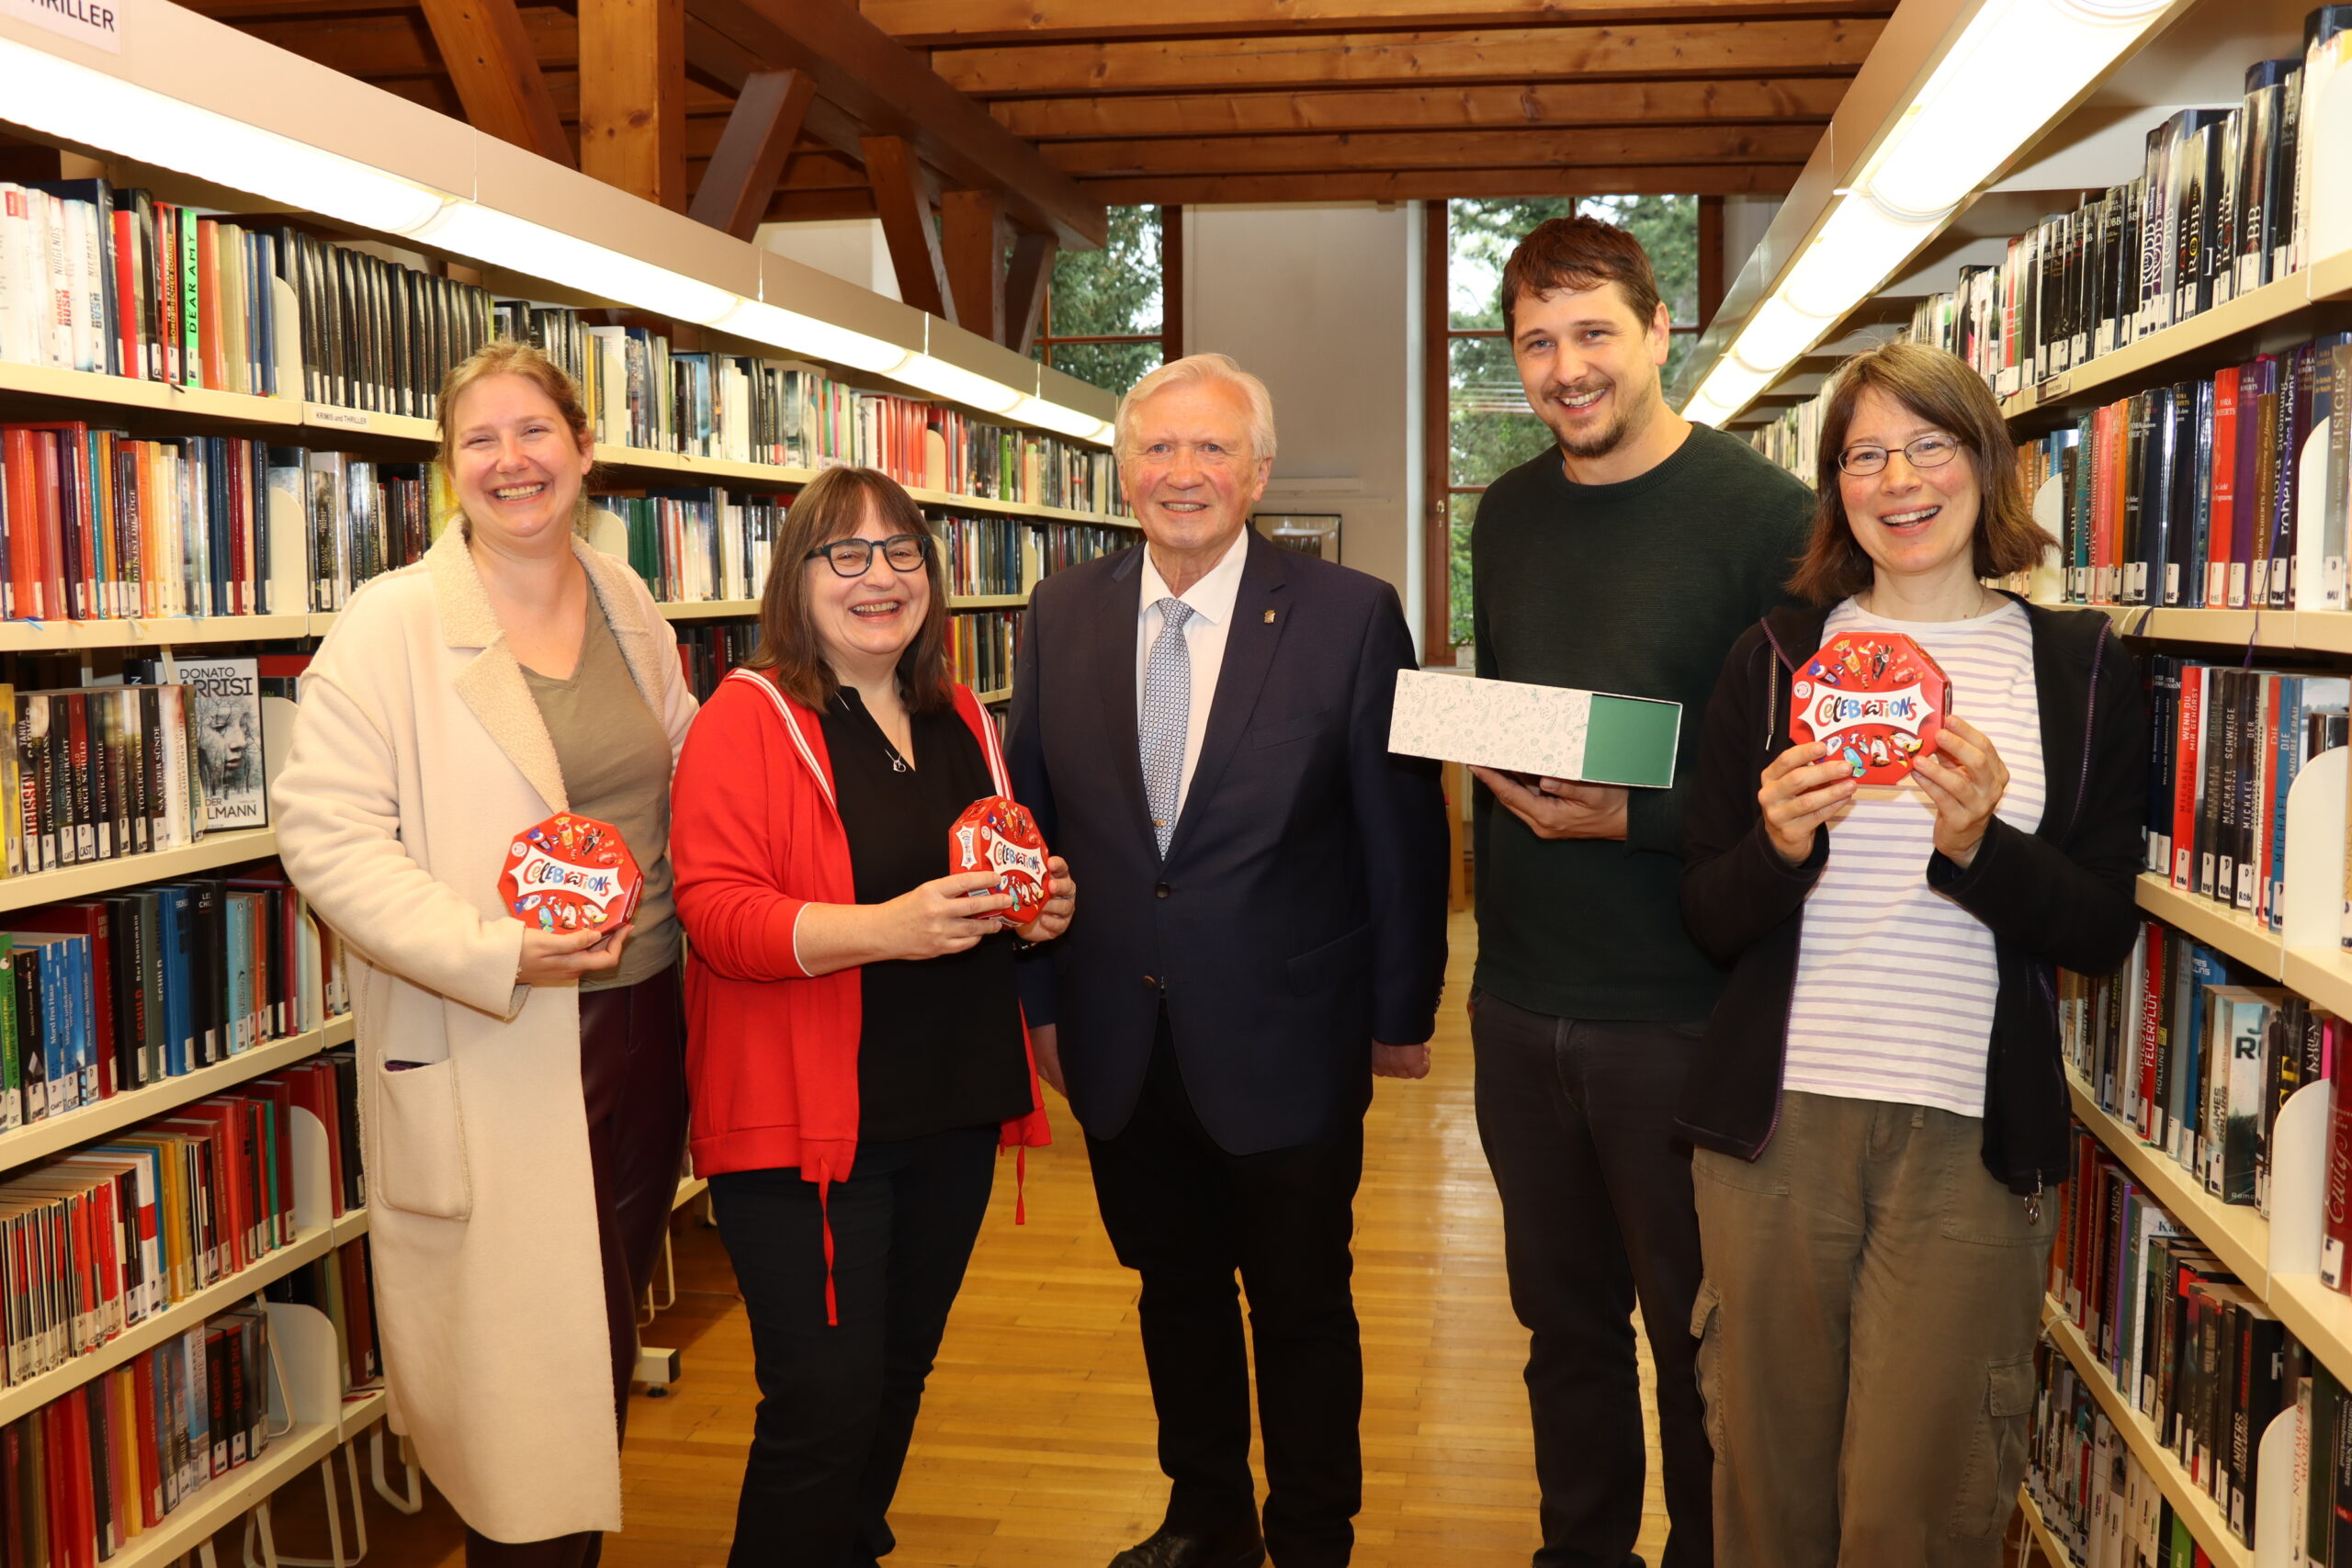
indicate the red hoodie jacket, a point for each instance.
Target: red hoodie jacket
{"x":755,"y":838}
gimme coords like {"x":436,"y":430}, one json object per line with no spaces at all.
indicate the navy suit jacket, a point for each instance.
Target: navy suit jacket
{"x":1300,"y":913}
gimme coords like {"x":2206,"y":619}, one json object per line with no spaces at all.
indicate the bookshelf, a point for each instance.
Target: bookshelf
{"x":213,"y":851}
{"x":55,"y":1134}
{"x":2240,"y":1237}
{"x":2206,"y":1521}
{"x":2053,"y":1550}
{"x":308,"y":1245}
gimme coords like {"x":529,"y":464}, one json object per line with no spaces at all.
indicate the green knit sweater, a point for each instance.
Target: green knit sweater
{"x":1638,"y":587}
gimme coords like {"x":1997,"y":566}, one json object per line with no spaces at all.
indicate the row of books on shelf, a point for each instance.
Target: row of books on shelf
{"x":2226,"y":745}
{"x":708,"y":649}
{"x":111,"y":281}
{"x":981,"y":644}
{"x":2194,"y":494}
{"x":993,"y":555}
{"x":107,"y":1237}
{"x":94,"y":525}
{"x":2196,"y":1056}
{"x":107,"y":995}
{"x":120,"y":284}
{"x":2222,"y":207}
{"x":132,"y":766}
{"x":2101,"y":1504}
{"x":87,"y":1474}
{"x":2172,"y":1329}
{"x":698,"y":545}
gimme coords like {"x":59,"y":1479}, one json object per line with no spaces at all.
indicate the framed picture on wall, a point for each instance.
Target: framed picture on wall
{"x":1309,"y":533}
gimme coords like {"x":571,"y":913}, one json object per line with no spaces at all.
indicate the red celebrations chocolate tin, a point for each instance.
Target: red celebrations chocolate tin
{"x":571,"y":873}
{"x":1876,"y":699}
{"x":998,"y":835}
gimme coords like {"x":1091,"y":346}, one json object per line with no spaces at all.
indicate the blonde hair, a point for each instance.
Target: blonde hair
{"x":1196,"y":368}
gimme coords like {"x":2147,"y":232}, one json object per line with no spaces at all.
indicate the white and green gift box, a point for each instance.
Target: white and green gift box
{"x":1554,"y":732}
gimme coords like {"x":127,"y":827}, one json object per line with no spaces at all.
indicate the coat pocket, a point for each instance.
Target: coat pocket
{"x":1321,"y":968}
{"x":418,"y":1164}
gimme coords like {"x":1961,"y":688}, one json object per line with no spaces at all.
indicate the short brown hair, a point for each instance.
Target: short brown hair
{"x":1941,"y":389}
{"x":1580,"y":253}
{"x":831,"y":507}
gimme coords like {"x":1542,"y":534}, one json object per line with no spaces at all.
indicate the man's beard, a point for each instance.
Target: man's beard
{"x":1611,"y":436}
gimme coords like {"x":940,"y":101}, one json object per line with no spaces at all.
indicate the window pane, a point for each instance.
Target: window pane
{"x":1113,"y":366}
{"x":1490,"y":427}
{"x":1678,"y":349}
{"x":1462,"y":511}
{"x":1480,"y":236}
{"x":1114,"y":289}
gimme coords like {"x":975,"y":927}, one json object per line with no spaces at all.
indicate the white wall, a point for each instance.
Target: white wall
{"x":851,"y":249}
{"x":1320,"y":303}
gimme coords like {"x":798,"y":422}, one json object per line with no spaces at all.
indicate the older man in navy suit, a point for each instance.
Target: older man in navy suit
{"x":1202,"y":726}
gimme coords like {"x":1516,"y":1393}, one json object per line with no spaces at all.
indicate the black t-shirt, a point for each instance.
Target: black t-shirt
{"x":940,"y":1047}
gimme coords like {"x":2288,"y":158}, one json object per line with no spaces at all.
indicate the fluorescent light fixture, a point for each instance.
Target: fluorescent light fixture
{"x":2019,"y":64}
{"x":956,"y":384}
{"x":487,"y":235}
{"x":1732,"y":386}
{"x":1703,"y":410}
{"x":1062,"y":421}
{"x":74,"y":102}
{"x":1777,"y":333}
{"x":797,"y":334}
{"x":1856,"y":251}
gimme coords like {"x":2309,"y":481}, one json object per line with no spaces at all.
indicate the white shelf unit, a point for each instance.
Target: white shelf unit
{"x":207,"y":853}
{"x":2055,"y":1551}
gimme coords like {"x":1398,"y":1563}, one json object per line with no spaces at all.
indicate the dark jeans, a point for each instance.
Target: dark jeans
{"x":1577,"y":1118}
{"x":837,"y":1405}
{"x":633,"y":1075}
{"x":1186,"y":1215}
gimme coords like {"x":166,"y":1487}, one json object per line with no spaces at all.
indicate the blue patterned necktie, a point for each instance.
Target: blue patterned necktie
{"x":1167,"y":714}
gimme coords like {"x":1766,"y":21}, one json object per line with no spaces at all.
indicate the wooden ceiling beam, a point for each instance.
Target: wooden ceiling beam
{"x":947,"y":24}
{"x":714,"y":55}
{"x":1511,"y":55}
{"x":820,"y":205}
{"x":492,"y":64}
{"x":400,"y":43}
{"x":1641,"y":179}
{"x":633,"y":97}
{"x":1441,"y":150}
{"x":1794,"y":98}
{"x":1024,"y":289}
{"x":972,"y":235}
{"x":733,"y":192}
{"x":903,"y":199}
{"x":894,"y":94}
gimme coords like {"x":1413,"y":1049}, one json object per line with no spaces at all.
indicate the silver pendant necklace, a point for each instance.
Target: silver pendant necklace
{"x":898,"y":763}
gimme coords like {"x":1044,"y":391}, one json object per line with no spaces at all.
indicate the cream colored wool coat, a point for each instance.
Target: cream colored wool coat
{"x":419,"y":754}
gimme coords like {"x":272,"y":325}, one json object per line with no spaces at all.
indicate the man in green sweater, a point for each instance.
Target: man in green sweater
{"x":1627,"y":560}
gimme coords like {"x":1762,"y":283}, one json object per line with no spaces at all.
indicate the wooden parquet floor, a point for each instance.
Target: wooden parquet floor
{"x":1035,"y":1449}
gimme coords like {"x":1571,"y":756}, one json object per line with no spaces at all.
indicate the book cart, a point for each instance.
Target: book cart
{"x":310,"y":104}
{"x":2197,"y":59}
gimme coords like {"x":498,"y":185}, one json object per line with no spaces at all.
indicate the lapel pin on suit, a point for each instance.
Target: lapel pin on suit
{"x":1270,"y":617}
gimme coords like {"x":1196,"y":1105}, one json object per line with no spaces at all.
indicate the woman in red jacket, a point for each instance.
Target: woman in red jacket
{"x":856,"y":1053}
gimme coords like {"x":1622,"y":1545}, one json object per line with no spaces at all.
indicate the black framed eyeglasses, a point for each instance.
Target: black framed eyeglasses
{"x":851,"y":557}
{"x":1926,"y":452}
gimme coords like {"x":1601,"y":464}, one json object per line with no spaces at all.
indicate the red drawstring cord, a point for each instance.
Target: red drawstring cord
{"x":825,"y":1221}
{"x":1020,"y":1185}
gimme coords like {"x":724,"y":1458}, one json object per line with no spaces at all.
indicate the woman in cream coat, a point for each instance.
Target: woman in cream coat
{"x":506,"y":1230}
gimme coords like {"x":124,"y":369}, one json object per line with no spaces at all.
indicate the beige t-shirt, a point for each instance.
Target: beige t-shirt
{"x":615,"y":763}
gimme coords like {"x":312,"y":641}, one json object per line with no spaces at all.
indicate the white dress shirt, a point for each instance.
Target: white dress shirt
{"x":1211,"y":600}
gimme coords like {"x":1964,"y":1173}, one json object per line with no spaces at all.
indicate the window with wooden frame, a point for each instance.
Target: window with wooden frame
{"x":1112,"y":314}
{"x":1478,"y":424}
